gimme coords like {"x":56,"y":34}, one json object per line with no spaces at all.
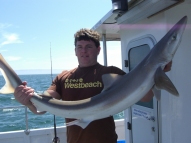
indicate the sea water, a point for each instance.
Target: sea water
{"x":13,"y":119}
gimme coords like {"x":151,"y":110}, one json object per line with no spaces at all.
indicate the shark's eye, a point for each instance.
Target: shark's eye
{"x":174,"y":37}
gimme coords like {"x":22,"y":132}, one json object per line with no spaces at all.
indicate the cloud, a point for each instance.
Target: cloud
{"x":12,"y":58}
{"x":10,"y":38}
{"x":4,"y":26}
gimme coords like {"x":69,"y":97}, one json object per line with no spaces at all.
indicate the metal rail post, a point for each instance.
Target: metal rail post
{"x":104,"y":49}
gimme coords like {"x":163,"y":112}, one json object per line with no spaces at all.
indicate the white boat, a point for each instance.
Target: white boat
{"x":139,"y":28}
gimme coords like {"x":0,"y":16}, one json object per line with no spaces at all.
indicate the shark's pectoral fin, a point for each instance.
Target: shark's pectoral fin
{"x":79,"y":122}
{"x":109,"y":80}
{"x":163,"y":82}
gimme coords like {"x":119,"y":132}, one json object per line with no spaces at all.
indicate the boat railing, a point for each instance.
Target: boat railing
{"x":27,"y":130}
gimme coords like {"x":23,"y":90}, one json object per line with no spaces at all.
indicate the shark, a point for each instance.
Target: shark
{"x":120,"y":91}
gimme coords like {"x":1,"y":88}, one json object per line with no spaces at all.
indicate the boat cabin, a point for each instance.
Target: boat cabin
{"x":139,"y":27}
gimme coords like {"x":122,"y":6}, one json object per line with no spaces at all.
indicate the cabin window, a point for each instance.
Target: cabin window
{"x":137,"y":54}
{"x":138,"y":49}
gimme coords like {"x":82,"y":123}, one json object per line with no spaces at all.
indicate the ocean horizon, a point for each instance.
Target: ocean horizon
{"x":38,"y":71}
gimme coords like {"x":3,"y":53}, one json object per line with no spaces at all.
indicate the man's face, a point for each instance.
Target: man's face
{"x":86,"y":52}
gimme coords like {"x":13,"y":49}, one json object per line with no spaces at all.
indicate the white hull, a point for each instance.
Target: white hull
{"x":45,"y":135}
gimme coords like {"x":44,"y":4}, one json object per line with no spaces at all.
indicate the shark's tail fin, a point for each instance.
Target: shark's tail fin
{"x":11,"y":78}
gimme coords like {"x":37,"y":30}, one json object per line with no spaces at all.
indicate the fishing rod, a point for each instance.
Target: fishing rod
{"x":56,"y":139}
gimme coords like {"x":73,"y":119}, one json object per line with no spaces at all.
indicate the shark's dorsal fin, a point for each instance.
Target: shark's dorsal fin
{"x":109,"y":80}
{"x":163,"y":82}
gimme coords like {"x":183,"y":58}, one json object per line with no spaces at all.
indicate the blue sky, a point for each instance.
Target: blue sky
{"x":28,"y":27}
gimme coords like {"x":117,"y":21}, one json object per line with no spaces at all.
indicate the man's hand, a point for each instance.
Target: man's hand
{"x":168,"y":67}
{"x":23,"y":94}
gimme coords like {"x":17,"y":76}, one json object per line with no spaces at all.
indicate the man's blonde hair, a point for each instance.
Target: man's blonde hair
{"x":87,"y":35}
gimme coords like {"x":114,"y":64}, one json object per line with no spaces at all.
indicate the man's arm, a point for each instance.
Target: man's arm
{"x":23,"y":95}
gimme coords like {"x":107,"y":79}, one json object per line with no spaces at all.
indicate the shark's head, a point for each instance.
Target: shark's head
{"x":163,"y":52}
{"x":172,"y":39}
